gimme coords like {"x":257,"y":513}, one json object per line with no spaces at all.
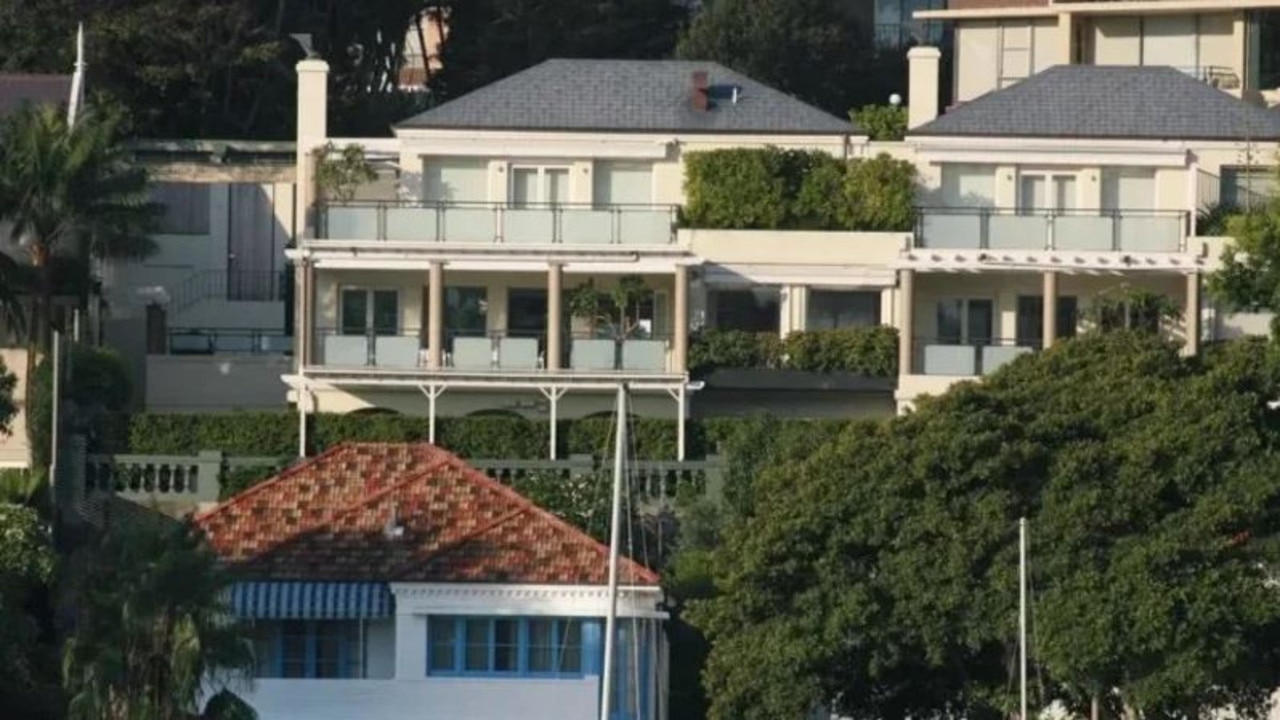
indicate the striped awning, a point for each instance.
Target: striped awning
{"x":303,"y":600}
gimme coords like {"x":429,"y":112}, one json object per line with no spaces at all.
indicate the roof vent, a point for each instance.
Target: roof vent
{"x":701,"y":92}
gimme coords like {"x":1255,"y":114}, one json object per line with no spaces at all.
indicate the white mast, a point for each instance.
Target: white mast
{"x":77,"y":80}
{"x":615,"y":521}
{"x":1022,"y":614}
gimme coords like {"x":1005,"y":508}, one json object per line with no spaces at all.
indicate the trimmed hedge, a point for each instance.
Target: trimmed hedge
{"x":774,"y":189}
{"x":871,"y":351}
{"x":275,"y":434}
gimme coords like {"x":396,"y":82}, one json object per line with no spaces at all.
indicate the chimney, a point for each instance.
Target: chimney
{"x":701,"y":91}
{"x":313,"y":100}
{"x":922,"y":85}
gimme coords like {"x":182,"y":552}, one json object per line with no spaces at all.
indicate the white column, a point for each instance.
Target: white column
{"x":906,"y":319}
{"x":411,"y":648}
{"x":680,"y":328}
{"x":1050,"y":308}
{"x":1192,"y":314}
{"x":555,"y":317}
{"x":435,"y":315}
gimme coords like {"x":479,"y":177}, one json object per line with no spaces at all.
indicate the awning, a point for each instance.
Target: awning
{"x":288,"y":600}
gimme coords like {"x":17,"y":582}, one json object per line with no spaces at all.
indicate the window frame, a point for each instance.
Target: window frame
{"x":523,"y":646}
{"x":351,"y":662}
{"x":541,"y":185}
{"x":370,"y":311}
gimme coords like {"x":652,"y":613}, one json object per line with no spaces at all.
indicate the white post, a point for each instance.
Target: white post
{"x":681,"y":411}
{"x":1022,"y":614}
{"x":431,"y":415}
{"x":56,"y":401}
{"x":302,"y":422}
{"x":611,"y":620}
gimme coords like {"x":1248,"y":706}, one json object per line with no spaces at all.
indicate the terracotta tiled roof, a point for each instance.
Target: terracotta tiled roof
{"x":327,"y":519}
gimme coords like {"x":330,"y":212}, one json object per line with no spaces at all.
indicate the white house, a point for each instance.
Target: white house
{"x":396,"y":581}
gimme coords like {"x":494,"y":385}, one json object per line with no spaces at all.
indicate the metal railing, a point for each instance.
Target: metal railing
{"x":1153,"y":231}
{"x":959,"y":357}
{"x":234,"y":285}
{"x":489,"y":351}
{"x":214,"y":341}
{"x":504,"y":223}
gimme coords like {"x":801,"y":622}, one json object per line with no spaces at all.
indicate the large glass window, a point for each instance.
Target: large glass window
{"x":965,"y":322}
{"x":539,"y":185}
{"x":310,"y":649}
{"x":526,"y":312}
{"x":505,"y":646}
{"x":466,"y":310}
{"x":365,"y":311}
{"x":186,"y":207}
{"x":1031,"y":319}
{"x":830,"y":309}
{"x":754,"y":310}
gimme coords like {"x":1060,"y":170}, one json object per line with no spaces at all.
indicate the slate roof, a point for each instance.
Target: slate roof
{"x":1100,"y":101}
{"x":629,"y":96}
{"x":17,"y":90}
{"x":326,"y":519}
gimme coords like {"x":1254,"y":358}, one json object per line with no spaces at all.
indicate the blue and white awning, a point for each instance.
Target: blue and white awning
{"x":304,"y":600}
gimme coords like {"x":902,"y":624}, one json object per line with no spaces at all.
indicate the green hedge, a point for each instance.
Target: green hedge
{"x":770,"y":188}
{"x":275,"y":434}
{"x":871,"y":351}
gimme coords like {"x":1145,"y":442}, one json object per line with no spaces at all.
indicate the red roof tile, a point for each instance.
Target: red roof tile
{"x":326,"y":519}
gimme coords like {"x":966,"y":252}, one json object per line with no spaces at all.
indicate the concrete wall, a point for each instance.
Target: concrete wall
{"x":215,"y":383}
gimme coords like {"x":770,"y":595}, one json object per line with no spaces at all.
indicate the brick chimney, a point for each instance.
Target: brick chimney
{"x":700,"y":97}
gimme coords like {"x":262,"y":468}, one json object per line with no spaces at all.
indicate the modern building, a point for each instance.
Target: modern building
{"x":396,"y":581}
{"x":1039,"y":198}
{"x":1230,"y":43}
{"x":453,"y":283}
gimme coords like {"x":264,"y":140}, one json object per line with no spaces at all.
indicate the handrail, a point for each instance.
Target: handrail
{"x":1005,"y":228}
{"x":234,"y":285}
{"x":217,"y":341}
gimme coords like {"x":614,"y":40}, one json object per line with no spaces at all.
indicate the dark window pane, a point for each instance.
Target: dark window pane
{"x":526,"y":312}
{"x":506,"y":636}
{"x":443,"y":632}
{"x":570,"y":646}
{"x":828,"y":309}
{"x":1030,"y":321}
{"x":542,"y":643}
{"x":748,"y":310}
{"x":949,"y":327}
{"x":980,"y":322}
{"x":465,"y":310}
{"x":355,"y":312}
{"x":386,"y":312}
{"x":477,"y":645}
{"x":294,"y":649}
{"x":1068,"y":316}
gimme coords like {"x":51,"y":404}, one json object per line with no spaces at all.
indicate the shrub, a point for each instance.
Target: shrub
{"x":870,"y":351}
{"x":770,"y":189}
{"x":884,"y":123}
{"x":98,"y":385}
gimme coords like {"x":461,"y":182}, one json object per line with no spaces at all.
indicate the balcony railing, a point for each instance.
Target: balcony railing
{"x":490,"y":223}
{"x":493,"y":352}
{"x":1145,"y":231}
{"x":249,"y":341}
{"x":953,"y":357}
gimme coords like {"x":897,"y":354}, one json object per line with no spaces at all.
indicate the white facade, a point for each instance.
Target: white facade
{"x":396,"y":681}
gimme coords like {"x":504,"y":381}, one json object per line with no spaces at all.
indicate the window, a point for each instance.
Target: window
{"x":1031,"y":319}
{"x":532,"y":186}
{"x":616,"y":183}
{"x":1043,"y":191}
{"x":365,"y":312}
{"x":310,"y":649}
{"x":550,"y":647}
{"x":755,"y":310}
{"x":186,"y":208}
{"x":526,"y":312}
{"x":1245,"y":187}
{"x":965,"y":322}
{"x":830,"y":309}
{"x":465,"y":310}
{"x":456,"y":180}
{"x":1128,"y":189}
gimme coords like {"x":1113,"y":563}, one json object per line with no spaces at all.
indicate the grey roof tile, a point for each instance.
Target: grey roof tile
{"x":1100,"y":101}
{"x":628,"y":95}
{"x":19,"y":89}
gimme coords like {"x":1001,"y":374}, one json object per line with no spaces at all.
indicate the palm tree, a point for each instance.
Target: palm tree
{"x":155,"y":636}
{"x":67,"y":189}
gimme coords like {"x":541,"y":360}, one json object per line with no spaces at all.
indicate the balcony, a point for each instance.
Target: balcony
{"x":1136,"y":231}
{"x":511,"y":352}
{"x":953,"y":358}
{"x":497,"y":223}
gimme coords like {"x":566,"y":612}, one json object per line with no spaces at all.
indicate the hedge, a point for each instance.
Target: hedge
{"x":871,"y":351}
{"x":274,"y":434}
{"x":773,"y":189}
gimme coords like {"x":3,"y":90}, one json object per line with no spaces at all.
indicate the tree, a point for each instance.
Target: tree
{"x":781,"y":42}
{"x":878,"y":575}
{"x":1249,"y":276}
{"x":155,"y":633}
{"x":28,"y":687}
{"x":618,"y":309}
{"x":69,"y":189}
{"x":491,"y":39}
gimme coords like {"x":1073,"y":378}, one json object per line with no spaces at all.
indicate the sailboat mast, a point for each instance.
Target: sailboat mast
{"x":1022,"y":614}
{"x":615,"y":523}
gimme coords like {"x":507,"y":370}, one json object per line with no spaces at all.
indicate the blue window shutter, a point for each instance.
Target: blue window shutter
{"x":592,"y":647}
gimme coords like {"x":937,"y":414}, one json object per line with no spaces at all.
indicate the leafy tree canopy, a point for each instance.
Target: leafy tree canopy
{"x":878,"y":575}
{"x":26,"y":567}
{"x":1249,"y":277}
{"x":813,"y":49}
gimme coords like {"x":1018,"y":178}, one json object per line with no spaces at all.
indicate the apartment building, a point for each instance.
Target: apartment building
{"x":1038,"y":198}
{"x":453,"y":283}
{"x":1230,"y":43}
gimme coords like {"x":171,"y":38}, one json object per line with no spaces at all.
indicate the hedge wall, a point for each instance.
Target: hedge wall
{"x":275,"y":434}
{"x":871,"y":351}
